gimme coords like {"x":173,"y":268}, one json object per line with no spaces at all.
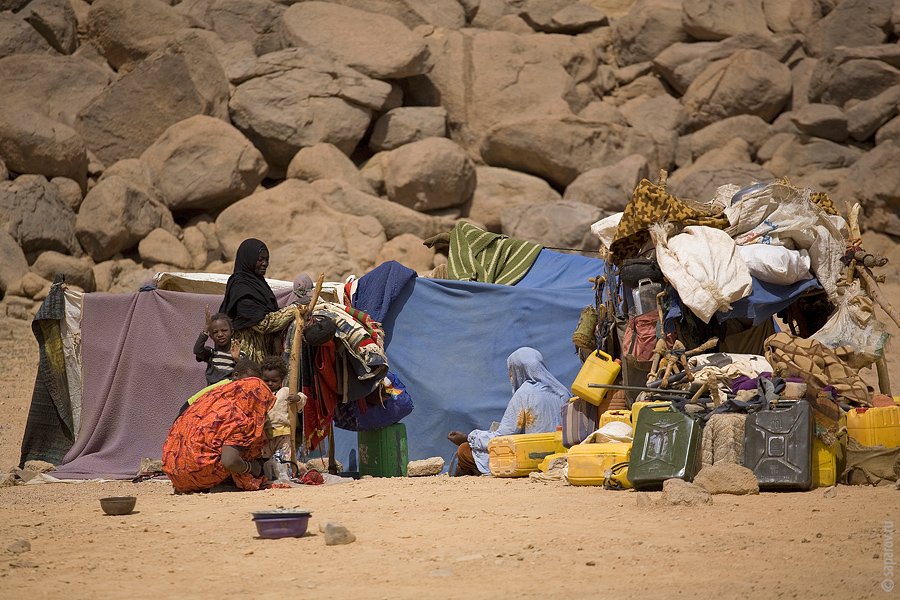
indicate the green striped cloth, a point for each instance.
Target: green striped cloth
{"x":478,"y":255}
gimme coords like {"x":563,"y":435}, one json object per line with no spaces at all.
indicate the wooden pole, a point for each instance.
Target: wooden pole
{"x":875,"y":293}
{"x":300,"y":320}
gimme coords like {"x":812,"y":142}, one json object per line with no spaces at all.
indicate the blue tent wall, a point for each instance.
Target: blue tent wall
{"x":449,"y":340}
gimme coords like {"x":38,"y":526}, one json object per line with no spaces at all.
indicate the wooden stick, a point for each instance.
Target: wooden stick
{"x":875,"y":293}
{"x":884,"y":377}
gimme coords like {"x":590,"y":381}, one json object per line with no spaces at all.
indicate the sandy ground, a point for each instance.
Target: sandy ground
{"x":434,"y":537}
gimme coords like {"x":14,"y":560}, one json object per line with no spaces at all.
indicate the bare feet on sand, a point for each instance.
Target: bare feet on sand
{"x":457,"y":437}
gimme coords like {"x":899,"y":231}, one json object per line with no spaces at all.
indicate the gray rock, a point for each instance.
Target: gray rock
{"x":426,"y":467}
{"x":126,"y":31}
{"x":407,"y":124}
{"x":678,"y":492}
{"x":482,"y":77}
{"x":39,"y":466}
{"x":801,"y":79}
{"x":19,"y":546}
{"x":408,"y":250}
{"x":498,"y":189}
{"x":719,"y":19}
{"x":160,"y":246}
{"x":767,"y":150}
{"x":376,"y":45}
{"x":352,"y":244}
{"x":336,"y":534}
{"x":747,"y":82}
{"x":33,"y":143}
{"x":563,"y":224}
{"x":331,"y":103}
{"x":195,"y":243}
{"x":558,"y":150}
{"x":851,"y":23}
{"x":822,"y":120}
{"x":701,"y":184}
{"x":78,"y":271}
{"x":4,"y":172}
{"x":680,"y":64}
{"x":122,"y":275}
{"x":203,"y":162}
{"x":115,"y":215}
{"x":778,"y":15}
{"x":33,"y":212}
{"x":395,"y":218}
{"x":858,"y":79}
{"x":661,"y":112}
{"x":824,"y":180}
{"x":799,"y":157}
{"x":55,"y":20}
{"x":609,"y":188}
{"x":602,"y":112}
{"x":13,"y":264}
{"x":256,"y":22}
{"x":650,"y":27}
{"x":889,"y":131}
{"x":576,"y":18}
{"x":18,"y":37}
{"x":727,"y":478}
{"x":136,"y":109}
{"x":58,"y":87}
{"x":325,"y":161}
{"x":873,"y":180}
{"x":866,"y":117}
{"x":749,"y":128}
{"x":888,"y":53}
{"x":430,"y":174}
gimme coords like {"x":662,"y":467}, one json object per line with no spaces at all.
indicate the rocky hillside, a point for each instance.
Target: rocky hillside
{"x":139,"y":135}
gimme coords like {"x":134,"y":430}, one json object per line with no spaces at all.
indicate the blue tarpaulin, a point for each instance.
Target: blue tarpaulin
{"x":448,"y":341}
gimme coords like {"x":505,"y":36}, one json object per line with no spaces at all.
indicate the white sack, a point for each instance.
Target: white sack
{"x":776,"y":264}
{"x":703,"y":266}
{"x":605,"y":229}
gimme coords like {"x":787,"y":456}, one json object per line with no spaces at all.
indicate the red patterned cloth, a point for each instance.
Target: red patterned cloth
{"x":233,"y":414}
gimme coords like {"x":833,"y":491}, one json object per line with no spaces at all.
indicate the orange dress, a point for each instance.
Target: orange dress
{"x":233,"y":414}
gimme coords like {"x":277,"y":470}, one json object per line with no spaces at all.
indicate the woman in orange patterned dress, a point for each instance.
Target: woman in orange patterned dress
{"x":220,"y":436}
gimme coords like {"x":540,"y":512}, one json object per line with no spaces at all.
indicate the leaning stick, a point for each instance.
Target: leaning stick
{"x":876,"y":295}
{"x":294,"y":376}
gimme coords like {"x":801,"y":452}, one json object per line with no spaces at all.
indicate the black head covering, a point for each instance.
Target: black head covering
{"x":245,"y":284}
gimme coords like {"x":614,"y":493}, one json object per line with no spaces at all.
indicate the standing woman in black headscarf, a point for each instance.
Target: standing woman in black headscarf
{"x":250,"y":302}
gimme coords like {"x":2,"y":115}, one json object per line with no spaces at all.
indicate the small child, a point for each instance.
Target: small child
{"x":221,"y":358}
{"x":278,"y":421}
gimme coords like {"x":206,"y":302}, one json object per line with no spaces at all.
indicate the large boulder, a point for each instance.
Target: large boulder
{"x":822,"y":120}
{"x":395,"y":218}
{"x":562,"y":224}
{"x":749,"y":128}
{"x":413,"y":13}
{"x":429,"y":174}
{"x":252,"y":21}
{"x":115,"y":215}
{"x":609,"y":188}
{"x":33,"y":213}
{"x":559,"y":150}
{"x":377,"y":45}
{"x":662,"y":112}
{"x":55,"y":20}
{"x":650,"y":27}
{"x":126,"y":31}
{"x":851,"y":23}
{"x":873,"y":180}
{"x":56,"y":86}
{"x":408,"y":250}
{"x":857,"y":79}
{"x":680,"y":64}
{"x":13,"y":264}
{"x":325,"y":161}
{"x":18,"y":37}
{"x":137,"y":108}
{"x":864,"y":118}
{"x":407,"y":124}
{"x":802,"y":156}
{"x":483,"y":78}
{"x":747,"y":82}
{"x":702,"y":182}
{"x":203,"y":162}
{"x":161,"y":247}
{"x":801,"y":79}
{"x":719,"y":19}
{"x":498,"y":189}
{"x":562,"y":16}
{"x":341,"y":244}
{"x":889,"y":131}
{"x":299,"y":98}
{"x":78,"y":271}
{"x":33,"y":143}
